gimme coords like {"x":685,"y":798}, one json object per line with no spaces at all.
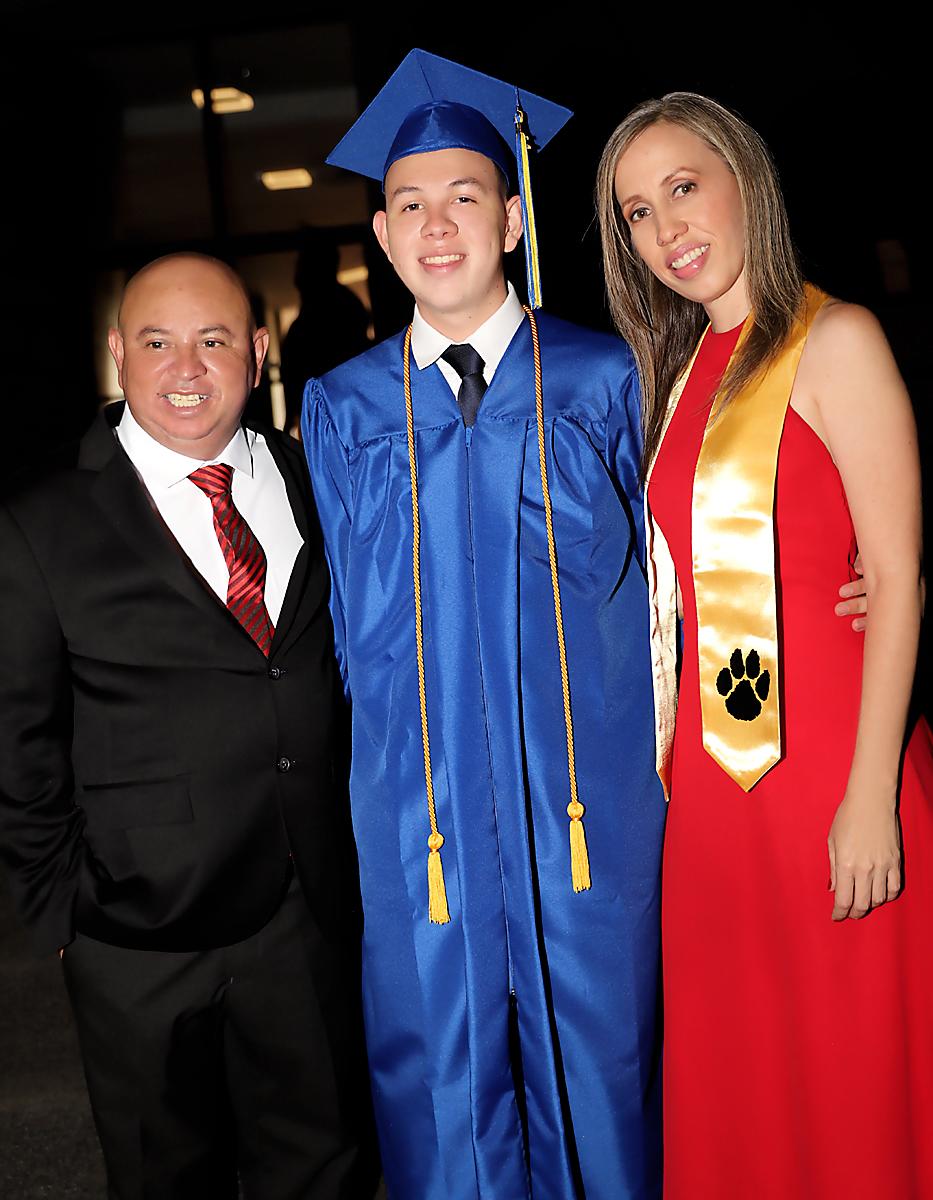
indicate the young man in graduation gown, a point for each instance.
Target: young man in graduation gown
{"x":506,"y":808}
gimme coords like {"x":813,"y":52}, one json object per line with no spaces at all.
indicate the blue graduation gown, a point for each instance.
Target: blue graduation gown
{"x":525,"y":964}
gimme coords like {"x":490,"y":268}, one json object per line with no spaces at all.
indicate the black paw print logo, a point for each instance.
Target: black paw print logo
{"x":744,"y":685}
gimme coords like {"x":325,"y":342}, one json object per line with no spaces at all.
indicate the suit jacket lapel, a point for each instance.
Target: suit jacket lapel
{"x":123,"y":498}
{"x":126,"y":504}
{"x":295,"y":606}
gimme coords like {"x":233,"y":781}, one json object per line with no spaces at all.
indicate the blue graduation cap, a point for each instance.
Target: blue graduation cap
{"x":430,"y":103}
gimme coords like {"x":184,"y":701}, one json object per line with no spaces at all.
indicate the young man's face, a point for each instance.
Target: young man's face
{"x":445,"y":229}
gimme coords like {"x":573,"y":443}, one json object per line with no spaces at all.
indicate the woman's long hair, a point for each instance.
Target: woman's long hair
{"x":662,"y":327}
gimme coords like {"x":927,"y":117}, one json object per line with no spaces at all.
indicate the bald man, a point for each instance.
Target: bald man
{"x":170,"y":811}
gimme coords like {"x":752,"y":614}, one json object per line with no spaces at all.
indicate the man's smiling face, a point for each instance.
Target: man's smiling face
{"x":187,"y":353}
{"x":445,"y":229}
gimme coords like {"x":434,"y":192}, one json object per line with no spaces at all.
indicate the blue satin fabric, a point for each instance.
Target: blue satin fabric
{"x":448,"y":125}
{"x":583,"y":969}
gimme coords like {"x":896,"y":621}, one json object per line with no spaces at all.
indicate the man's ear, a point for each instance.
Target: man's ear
{"x":260,"y":349}
{"x":513,"y":223}
{"x":117,"y":351}
{"x":382,"y":237}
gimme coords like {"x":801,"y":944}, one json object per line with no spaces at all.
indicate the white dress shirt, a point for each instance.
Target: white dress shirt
{"x":490,"y":340}
{"x":258,"y":493}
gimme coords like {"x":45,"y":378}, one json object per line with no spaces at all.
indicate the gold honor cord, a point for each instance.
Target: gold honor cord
{"x":734,"y":567}
{"x":438,"y":912}
{"x":579,"y":859}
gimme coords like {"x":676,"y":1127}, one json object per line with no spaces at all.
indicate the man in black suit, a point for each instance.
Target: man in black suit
{"x":170,"y":813}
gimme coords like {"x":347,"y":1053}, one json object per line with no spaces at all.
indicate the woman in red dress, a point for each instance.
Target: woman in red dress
{"x":798,"y":864}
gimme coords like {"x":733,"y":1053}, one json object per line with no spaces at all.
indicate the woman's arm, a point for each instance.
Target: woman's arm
{"x":850,"y":384}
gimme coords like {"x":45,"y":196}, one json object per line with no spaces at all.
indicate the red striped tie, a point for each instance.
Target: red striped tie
{"x":245,"y":559}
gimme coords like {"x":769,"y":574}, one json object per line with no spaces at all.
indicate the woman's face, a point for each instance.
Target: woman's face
{"x":683,"y":207}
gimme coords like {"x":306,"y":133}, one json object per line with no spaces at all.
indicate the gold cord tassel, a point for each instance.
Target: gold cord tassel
{"x":579,"y":859}
{"x":438,"y":913}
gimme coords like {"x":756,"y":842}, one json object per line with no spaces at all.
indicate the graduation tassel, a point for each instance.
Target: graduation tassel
{"x":438,"y":912}
{"x":579,"y":857}
{"x":522,"y":157}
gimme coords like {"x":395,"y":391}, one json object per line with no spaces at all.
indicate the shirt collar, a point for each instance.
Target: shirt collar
{"x":490,"y":340}
{"x":161,"y":467}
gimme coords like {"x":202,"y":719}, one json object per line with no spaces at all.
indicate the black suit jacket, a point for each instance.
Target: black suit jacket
{"x":156,"y":771}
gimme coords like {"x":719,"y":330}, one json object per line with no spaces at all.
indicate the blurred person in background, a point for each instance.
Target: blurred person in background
{"x":330,"y":326}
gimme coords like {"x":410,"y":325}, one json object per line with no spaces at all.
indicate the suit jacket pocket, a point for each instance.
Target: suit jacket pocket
{"x":135,"y":805}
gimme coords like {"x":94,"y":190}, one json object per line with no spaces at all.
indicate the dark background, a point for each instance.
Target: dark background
{"x":844,"y":108}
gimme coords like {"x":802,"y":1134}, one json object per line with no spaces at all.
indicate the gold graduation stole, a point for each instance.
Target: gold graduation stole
{"x":733,"y":572}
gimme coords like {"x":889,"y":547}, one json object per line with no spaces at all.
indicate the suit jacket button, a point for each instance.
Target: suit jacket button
{"x":284,"y":764}
{"x":276,"y":672}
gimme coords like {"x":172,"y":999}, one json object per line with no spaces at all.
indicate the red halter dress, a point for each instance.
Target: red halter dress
{"x":798,"y":1060}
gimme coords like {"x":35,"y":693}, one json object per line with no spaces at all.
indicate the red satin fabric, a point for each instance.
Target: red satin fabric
{"x":798,"y":1052}
{"x":245,"y":558}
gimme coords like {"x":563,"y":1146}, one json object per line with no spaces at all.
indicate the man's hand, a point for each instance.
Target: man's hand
{"x":855,"y":602}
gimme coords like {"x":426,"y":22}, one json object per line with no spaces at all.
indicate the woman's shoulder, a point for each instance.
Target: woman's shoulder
{"x":843,"y":328}
{"x":847,"y":362}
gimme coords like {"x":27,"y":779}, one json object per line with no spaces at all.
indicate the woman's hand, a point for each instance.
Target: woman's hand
{"x":864,"y":853}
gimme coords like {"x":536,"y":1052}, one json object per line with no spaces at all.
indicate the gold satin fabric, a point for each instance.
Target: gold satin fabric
{"x":733,"y":574}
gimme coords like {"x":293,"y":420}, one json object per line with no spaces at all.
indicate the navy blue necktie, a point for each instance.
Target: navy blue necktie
{"x":469,"y":366}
